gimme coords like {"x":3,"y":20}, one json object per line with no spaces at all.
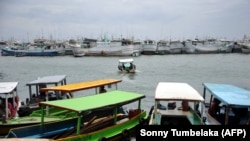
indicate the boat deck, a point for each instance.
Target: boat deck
{"x":190,"y":115}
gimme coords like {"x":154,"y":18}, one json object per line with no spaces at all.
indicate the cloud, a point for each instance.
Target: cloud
{"x":156,"y":19}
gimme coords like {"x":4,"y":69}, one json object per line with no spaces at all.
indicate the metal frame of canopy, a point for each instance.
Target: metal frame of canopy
{"x":7,"y":89}
{"x":46,"y":80}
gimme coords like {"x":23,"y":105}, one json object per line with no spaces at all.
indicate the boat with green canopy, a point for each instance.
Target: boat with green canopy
{"x":54,"y":114}
{"x":115,"y":125}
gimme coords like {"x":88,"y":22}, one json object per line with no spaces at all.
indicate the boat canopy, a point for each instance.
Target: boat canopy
{"x":93,"y":102}
{"x":176,"y":91}
{"x":82,"y":85}
{"x":229,"y":94}
{"x":48,"y":80}
{"x":7,"y":87}
{"x":126,"y":60}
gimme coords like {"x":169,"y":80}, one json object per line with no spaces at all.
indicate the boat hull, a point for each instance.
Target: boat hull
{"x":118,"y":131}
{"x":35,"y":118}
{"x":47,"y":131}
{"x":9,"y":52}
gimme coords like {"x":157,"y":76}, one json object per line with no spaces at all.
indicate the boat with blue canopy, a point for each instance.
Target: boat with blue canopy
{"x":234,"y":103}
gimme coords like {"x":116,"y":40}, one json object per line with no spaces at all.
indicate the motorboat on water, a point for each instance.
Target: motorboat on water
{"x":127,"y":65}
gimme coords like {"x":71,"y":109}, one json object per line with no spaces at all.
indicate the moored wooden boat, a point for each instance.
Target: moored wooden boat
{"x":115,"y":125}
{"x":30,"y":52}
{"x":234,"y":104}
{"x":54,"y":114}
{"x":175,"y":94}
{"x":13,"y":120}
{"x":163,"y":47}
{"x":149,"y":47}
{"x":34,"y":86}
{"x":119,"y":47}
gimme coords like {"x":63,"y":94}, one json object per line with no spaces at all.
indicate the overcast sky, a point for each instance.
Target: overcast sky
{"x":142,"y":19}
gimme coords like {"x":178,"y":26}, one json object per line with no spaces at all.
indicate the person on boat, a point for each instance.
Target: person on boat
{"x":214,"y":109}
{"x":34,"y":99}
{"x":102,"y":89}
{"x":12,"y":108}
{"x":131,"y":66}
{"x":185,"y":105}
{"x":2,"y":109}
{"x":42,"y":93}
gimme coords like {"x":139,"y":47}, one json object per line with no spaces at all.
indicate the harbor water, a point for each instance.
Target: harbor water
{"x":194,"y":69}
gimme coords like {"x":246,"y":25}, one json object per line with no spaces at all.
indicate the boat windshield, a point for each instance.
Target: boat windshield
{"x":127,"y":65}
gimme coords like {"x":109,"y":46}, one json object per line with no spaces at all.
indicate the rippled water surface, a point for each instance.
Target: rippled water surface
{"x":151,"y":69}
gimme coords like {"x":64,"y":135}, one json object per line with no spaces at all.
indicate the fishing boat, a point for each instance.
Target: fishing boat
{"x":126,"y":65}
{"x":181,"y":101}
{"x":60,"y":92}
{"x":31,"y":51}
{"x":35,"y":95}
{"x":66,"y":91}
{"x":11,"y":120}
{"x":149,"y":47}
{"x":176,"y":47}
{"x":234,"y":104}
{"x":119,"y":47}
{"x":79,"y":48}
{"x":116,"y":125}
{"x":163,"y":47}
{"x":30,"y":113}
